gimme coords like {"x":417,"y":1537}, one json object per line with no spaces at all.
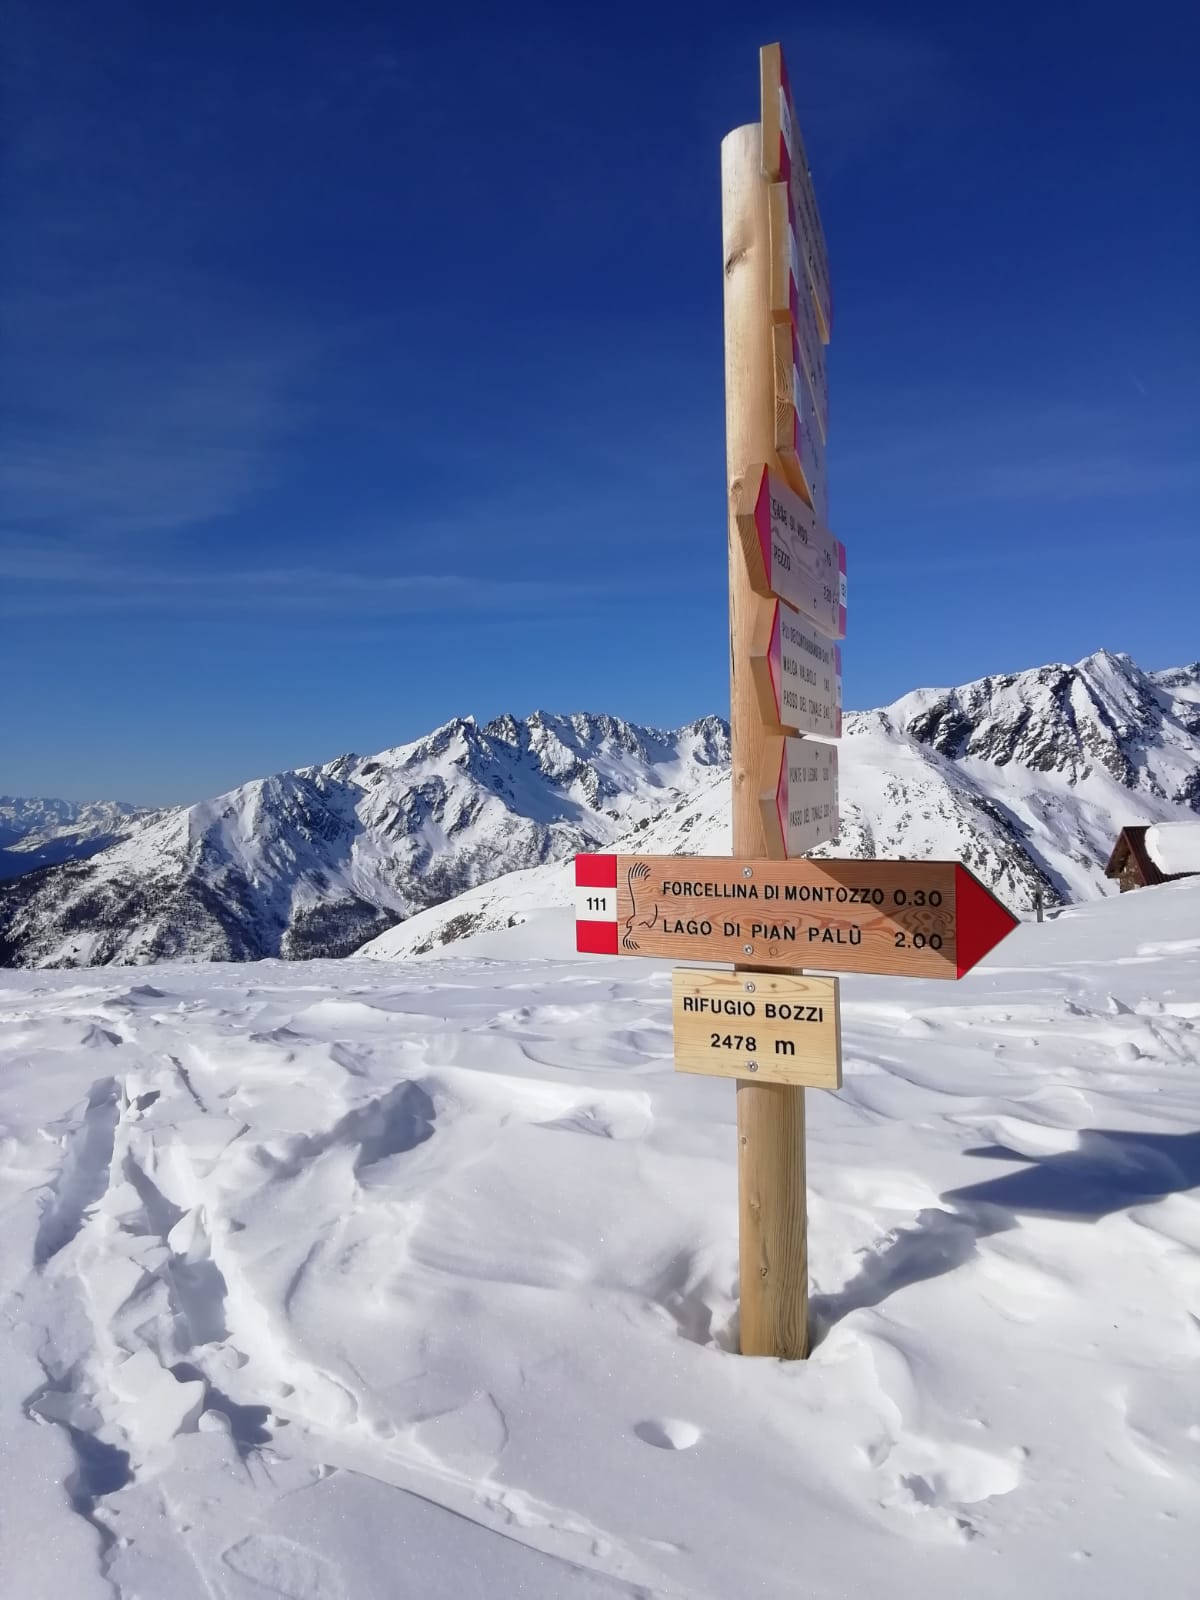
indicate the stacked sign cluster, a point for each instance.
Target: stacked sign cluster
{"x":773,"y":906}
{"x":791,"y":555}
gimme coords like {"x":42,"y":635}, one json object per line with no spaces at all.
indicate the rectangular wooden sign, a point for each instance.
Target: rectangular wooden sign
{"x":766,"y":1027}
{"x":911,"y":919}
{"x":790,"y":554}
{"x":792,"y":304}
{"x":798,"y":441}
{"x":797,"y":674}
{"x":799,"y":795}
{"x":784,"y":160}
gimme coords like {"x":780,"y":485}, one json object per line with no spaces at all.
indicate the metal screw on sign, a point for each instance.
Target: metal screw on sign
{"x":752,"y":1066}
{"x":748,"y":949}
{"x":749,"y":988}
{"x":747,"y":872}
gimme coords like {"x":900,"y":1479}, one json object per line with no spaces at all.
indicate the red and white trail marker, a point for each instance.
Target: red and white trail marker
{"x":790,"y":554}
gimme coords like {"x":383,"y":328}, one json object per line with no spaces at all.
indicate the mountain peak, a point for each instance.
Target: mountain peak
{"x":1100,"y":712}
{"x":1026,"y":777}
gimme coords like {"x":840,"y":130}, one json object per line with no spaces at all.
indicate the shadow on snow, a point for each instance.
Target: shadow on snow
{"x":1108,"y":1171}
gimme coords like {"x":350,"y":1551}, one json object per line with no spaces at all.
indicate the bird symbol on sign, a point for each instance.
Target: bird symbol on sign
{"x":636,"y":874}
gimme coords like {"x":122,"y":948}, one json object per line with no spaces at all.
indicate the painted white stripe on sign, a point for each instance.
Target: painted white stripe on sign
{"x":595,"y":905}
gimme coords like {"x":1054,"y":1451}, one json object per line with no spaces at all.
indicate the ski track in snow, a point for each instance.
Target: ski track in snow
{"x":349,"y":1280}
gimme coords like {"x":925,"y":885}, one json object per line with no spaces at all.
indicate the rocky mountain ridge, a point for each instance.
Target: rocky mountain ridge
{"x":42,"y":832}
{"x":1025,"y":777}
{"x":314,"y":861}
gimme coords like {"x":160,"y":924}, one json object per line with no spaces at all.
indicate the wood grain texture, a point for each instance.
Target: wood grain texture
{"x":772,"y":1221}
{"x":765,"y":1027}
{"x":896,"y":918}
{"x":771,"y":75}
{"x":765,"y":687}
{"x":772,"y":1207}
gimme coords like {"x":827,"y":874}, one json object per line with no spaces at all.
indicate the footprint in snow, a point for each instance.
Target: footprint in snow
{"x":668,"y":1433}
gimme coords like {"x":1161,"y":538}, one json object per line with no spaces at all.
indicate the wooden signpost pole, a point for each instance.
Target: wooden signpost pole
{"x":772,"y":1199}
{"x":767,"y":1024}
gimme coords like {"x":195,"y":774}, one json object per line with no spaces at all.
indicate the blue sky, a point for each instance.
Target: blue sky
{"x":362,"y":364}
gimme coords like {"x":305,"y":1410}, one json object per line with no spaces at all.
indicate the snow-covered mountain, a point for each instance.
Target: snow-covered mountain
{"x":42,"y":832}
{"x":313,"y":862}
{"x":1027,"y":778}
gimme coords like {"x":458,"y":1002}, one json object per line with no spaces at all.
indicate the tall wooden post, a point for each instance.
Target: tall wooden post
{"x":772,"y":1199}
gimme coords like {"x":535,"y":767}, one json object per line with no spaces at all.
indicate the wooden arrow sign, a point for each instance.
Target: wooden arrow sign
{"x":784,"y":160}
{"x":792,"y":303}
{"x":799,"y":795}
{"x":797,"y":674}
{"x":789,"y":553}
{"x":798,"y":441}
{"x":909,"y":919}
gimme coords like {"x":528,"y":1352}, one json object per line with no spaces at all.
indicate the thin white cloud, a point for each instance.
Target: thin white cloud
{"x":143,"y":405}
{"x":50,"y":579}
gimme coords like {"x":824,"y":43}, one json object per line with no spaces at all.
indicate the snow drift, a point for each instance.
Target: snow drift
{"x":342,"y":1281}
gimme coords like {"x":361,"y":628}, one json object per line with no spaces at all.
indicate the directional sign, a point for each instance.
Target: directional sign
{"x":910,"y":919}
{"x":792,"y":302}
{"x":790,"y":554}
{"x":797,"y":674}
{"x":784,"y":161}
{"x":762,"y":1026}
{"x":799,"y":795}
{"x":798,"y":441}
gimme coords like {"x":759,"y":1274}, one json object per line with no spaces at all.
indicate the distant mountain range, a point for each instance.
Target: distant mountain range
{"x":1025,"y":777}
{"x":314,"y":862}
{"x":41,"y":833}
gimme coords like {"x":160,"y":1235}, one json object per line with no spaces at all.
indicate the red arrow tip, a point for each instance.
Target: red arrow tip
{"x":981,"y":920}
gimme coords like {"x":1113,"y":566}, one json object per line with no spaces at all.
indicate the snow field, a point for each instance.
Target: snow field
{"x":357,"y":1279}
